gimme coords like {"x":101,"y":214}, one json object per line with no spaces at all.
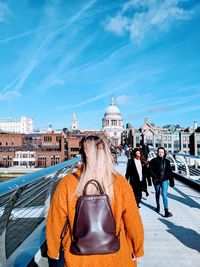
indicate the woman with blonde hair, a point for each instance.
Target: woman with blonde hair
{"x":97,"y":164}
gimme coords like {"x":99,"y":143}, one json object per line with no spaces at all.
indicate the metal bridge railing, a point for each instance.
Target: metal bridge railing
{"x":24,"y":202}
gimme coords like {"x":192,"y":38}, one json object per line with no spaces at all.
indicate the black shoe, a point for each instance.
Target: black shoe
{"x":158,"y":208}
{"x":168,"y":214}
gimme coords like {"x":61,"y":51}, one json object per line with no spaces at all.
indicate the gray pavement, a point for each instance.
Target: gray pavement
{"x":171,"y":241}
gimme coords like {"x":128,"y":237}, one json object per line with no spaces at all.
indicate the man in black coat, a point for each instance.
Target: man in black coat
{"x":162,"y":176}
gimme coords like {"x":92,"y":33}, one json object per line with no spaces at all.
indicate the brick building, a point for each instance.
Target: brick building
{"x":9,"y":143}
{"x":40,"y":149}
{"x":36,"y":149}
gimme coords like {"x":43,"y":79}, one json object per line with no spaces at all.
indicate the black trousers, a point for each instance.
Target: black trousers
{"x":137,"y":189}
{"x":57,"y":263}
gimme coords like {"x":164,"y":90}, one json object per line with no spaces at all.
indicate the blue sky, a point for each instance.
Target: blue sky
{"x":62,"y":57}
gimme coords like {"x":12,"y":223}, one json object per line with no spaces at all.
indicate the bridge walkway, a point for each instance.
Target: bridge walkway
{"x":171,"y":241}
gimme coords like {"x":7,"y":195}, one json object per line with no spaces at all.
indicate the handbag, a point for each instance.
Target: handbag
{"x":94,"y":229}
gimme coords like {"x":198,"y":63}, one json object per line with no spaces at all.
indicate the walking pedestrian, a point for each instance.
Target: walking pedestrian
{"x":136,"y":173}
{"x":145,"y":150}
{"x":97,"y":164}
{"x":162,"y":176}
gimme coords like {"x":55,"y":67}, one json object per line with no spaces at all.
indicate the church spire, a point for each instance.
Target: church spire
{"x":112,"y":101}
{"x":74,"y":125}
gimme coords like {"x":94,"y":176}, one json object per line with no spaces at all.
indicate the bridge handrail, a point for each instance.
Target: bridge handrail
{"x":16,"y":183}
{"x":185,"y":155}
{"x":24,"y":203}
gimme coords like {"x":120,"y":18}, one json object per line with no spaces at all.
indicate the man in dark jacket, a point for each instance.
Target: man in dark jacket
{"x":162,"y":176}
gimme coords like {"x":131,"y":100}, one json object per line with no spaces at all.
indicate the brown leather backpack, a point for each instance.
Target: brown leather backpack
{"x":94,"y":229}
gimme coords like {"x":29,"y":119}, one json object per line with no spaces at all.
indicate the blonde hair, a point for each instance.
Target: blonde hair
{"x":97,"y":164}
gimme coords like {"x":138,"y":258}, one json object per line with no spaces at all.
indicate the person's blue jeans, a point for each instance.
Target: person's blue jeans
{"x":163,"y":187}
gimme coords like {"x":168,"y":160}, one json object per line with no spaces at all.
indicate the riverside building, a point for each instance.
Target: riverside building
{"x":172,"y":137}
{"x":41,"y":149}
{"x":24,"y":125}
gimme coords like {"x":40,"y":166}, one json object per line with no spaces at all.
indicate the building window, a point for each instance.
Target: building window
{"x":42,"y":161}
{"x":74,"y":149}
{"x":55,"y":159}
{"x":48,"y":144}
{"x":7,"y":161}
{"x":169,"y":145}
{"x":176,"y":144}
{"x":113,"y":122}
{"x":149,"y":140}
{"x":48,"y":138}
{"x":158,"y":138}
{"x":58,"y":138}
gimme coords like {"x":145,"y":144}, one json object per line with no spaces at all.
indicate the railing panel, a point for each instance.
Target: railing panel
{"x":24,"y":203}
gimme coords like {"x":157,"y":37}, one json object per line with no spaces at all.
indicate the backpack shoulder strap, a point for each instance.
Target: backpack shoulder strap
{"x":76,"y":175}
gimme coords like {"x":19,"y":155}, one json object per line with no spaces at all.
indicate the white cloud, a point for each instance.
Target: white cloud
{"x":138,"y":17}
{"x":4,"y":12}
{"x":9,"y":95}
{"x":123,"y":99}
{"x":117,"y":24}
{"x":25,"y":74}
{"x":84,"y":102}
{"x":38,"y":50}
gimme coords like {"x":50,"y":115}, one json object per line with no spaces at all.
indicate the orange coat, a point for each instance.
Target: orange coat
{"x":127,"y":217}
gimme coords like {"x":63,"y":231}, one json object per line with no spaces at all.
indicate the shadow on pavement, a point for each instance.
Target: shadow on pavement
{"x":148,"y":205}
{"x":188,"y":237}
{"x":185,"y":199}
